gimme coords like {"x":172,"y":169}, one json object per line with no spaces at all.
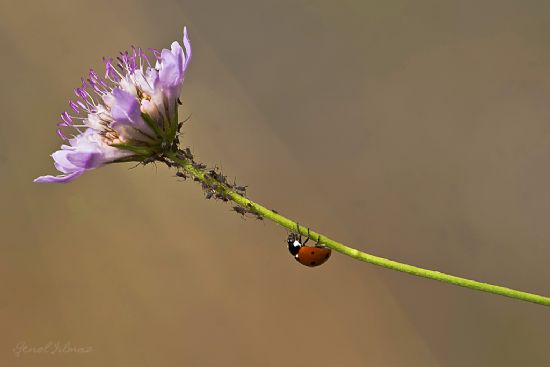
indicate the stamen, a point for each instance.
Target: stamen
{"x":93,"y":74}
{"x":96,"y":87}
{"x":103,"y":83}
{"x":156,"y":53}
{"x":73,"y":106}
{"x":60,"y":134}
{"x":111,"y":72}
{"x":83,"y":106}
{"x":143,"y":55}
{"x":66,"y":117}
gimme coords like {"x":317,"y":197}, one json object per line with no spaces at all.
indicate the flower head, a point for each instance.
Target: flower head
{"x":129,"y":114}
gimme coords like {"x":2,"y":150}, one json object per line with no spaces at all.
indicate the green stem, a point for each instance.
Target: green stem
{"x":248,"y":204}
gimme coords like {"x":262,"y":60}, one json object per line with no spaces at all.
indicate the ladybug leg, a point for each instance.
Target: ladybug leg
{"x":307,"y":239}
{"x":298,"y":231}
{"x":318,"y":244}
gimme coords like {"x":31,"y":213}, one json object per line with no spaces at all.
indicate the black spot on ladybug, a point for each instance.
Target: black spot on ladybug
{"x":313,"y":252}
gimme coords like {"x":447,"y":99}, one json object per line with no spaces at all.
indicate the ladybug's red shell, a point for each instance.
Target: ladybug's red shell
{"x":313,"y":256}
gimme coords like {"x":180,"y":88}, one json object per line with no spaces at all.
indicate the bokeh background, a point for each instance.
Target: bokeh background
{"x":418,"y":131}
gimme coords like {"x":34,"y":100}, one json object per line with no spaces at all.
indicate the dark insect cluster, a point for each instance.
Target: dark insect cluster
{"x":216,"y":185}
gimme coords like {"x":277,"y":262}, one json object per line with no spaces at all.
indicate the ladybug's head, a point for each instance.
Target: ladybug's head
{"x":294,"y":244}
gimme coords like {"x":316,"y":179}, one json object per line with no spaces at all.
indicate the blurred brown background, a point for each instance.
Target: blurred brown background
{"x":418,"y":131}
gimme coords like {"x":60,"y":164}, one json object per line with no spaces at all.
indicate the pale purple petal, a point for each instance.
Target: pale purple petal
{"x":187,"y":45}
{"x":85,"y":160}
{"x":152,"y":77}
{"x":171,"y":71}
{"x":126,"y":113}
{"x":125,"y":107}
{"x":171,"y":66}
{"x":58,"y":179}
{"x":61,"y":161}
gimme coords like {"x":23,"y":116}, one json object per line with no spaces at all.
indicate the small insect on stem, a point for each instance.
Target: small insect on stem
{"x":239,"y":209}
{"x":148,"y":160}
{"x":241,"y":190}
{"x":186,"y":153}
{"x":181,"y":175}
{"x":221,"y":196}
{"x":200,"y":166}
{"x":176,"y":142}
{"x":162,"y":159}
{"x":218,"y":176}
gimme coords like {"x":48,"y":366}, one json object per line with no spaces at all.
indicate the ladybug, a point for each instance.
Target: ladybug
{"x":307,"y":255}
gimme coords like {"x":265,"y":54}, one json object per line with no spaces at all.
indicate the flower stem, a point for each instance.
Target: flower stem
{"x":258,"y":209}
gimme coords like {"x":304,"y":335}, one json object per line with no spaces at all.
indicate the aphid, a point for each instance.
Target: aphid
{"x":217,"y":176}
{"x":200,"y":166}
{"x":164,"y":160}
{"x":307,"y":255}
{"x":239,"y":209}
{"x":181,"y":174}
{"x":241,"y":190}
{"x":148,"y":160}
{"x":221,"y":196}
{"x":209,"y":194}
{"x":176,"y":142}
{"x":187,"y":153}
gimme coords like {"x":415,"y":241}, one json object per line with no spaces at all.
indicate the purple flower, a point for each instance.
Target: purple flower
{"x":130,"y":113}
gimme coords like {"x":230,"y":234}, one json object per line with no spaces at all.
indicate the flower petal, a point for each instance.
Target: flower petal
{"x":126,"y":113}
{"x":125,"y":108}
{"x":85,"y":160}
{"x":59,"y":179}
{"x":187,"y":45}
{"x":171,"y":67}
{"x":61,"y":162}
